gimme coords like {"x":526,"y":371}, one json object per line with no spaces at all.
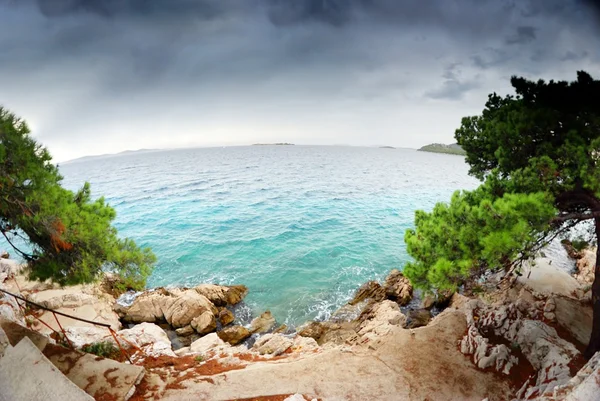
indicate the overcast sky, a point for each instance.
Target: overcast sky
{"x":103,"y":76}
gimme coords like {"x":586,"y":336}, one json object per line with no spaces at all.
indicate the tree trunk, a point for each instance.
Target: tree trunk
{"x":594,"y":344}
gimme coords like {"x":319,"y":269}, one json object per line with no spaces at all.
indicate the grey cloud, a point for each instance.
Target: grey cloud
{"x":490,"y":57}
{"x":452,"y":90}
{"x":572,"y":56}
{"x":524,"y":34}
{"x":251,"y":63}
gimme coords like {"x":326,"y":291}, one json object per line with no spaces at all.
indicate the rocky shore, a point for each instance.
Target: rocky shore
{"x":519,"y":339}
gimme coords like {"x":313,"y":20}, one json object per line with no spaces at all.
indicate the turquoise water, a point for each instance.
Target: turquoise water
{"x":301,"y":226}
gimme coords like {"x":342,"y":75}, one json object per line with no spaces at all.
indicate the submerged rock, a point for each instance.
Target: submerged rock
{"x":262,"y":323}
{"x":234,"y":334}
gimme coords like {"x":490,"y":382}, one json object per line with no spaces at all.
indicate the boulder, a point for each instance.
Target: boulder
{"x":56,"y":299}
{"x":4,"y":255}
{"x":222,"y":295}
{"x":148,"y":307}
{"x":272,"y":344}
{"x":575,"y":317}
{"x":207,"y":343}
{"x":9,"y":308}
{"x":369,"y":290}
{"x":234,"y":334}
{"x":281,"y":329}
{"x":398,"y":288}
{"x":313,"y":330}
{"x":348,"y":313}
{"x":549,"y":354}
{"x":205,"y":323}
{"x":84,"y":335}
{"x":380,"y":317}
{"x":186,"y":307}
{"x":417,"y":318}
{"x":337,"y":333}
{"x":185,"y":331}
{"x":226,"y":317}
{"x":304,"y":344}
{"x":262,"y":323}
{"x":150,"y":338}
{"x":585,"y":266}
{"x":235,"y":294}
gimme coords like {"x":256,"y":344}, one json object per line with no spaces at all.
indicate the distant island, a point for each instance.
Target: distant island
{"x":277,"y":143}
{"x":452,"y":149}
{"x":387,"y":147}
{"x":123,"y":153}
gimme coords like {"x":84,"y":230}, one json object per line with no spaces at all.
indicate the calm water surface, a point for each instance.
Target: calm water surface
{"x":301,"y":226}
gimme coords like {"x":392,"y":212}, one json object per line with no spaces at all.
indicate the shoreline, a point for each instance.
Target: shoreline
{"x":216,"y":355}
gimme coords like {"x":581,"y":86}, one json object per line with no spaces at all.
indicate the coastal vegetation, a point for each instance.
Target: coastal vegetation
{"x":70,"y":237}
{"x":452,"y":149}
{"x":537,"y":155}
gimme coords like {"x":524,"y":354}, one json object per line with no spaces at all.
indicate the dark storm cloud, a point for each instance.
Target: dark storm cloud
{"x":205,"y":9}
{"x":278,"y":62}
{"x":524,"y":34}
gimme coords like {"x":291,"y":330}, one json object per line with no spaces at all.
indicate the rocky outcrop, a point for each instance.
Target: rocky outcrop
{"x":180,"y":308}
{"x":234,"y":334}
{"x":586,"y":262}
{"x":262,"y":323}
{"x":494,"y":329}
{"x":380,"y":316}
{"x":207,"y":343}
{"x":205,"y":323}
{"x":148,"y":337}
{"x":272,"y":344}
{"x":222,"y":295}
{"x":370,"y":290}
{"x":225,"y":316}
{"x":186,"y":307}
{"x":313,"y":330}
{"x":398,"y":288}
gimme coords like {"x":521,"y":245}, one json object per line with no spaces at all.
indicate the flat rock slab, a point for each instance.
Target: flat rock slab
{"x":15,"y":333}
{"x":575,"y":317}
{"x":27,"y":375}
{"x":403,"y":365}
{"x":548,"y":279}
{"x":100,"y":377}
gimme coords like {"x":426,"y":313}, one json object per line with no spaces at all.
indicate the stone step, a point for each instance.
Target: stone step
{"x":15,"y":333}
{"x":102,"y":378}
{"x":27,"y":375}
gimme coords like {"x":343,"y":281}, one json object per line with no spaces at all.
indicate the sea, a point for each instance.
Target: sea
{"x":301,"y":226}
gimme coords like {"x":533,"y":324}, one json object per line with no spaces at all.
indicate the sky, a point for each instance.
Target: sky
{"x":104,"y":76}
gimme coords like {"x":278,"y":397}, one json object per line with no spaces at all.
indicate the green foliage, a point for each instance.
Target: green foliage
{"x":537,"y":154}
{"x":105,"y":349}
{"x":474,"y":232}
{"x":71,"y":235}
{"x":453,"y":149}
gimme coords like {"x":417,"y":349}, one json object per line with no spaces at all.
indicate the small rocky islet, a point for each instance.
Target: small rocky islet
{"x":520,"y":338}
